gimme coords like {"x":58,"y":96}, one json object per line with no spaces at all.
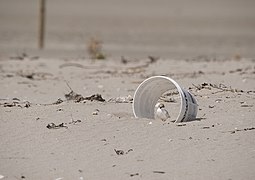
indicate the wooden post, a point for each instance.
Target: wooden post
{"x":41,"y":24}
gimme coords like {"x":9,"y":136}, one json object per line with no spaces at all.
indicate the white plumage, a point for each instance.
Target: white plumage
{"x":160,"y":112}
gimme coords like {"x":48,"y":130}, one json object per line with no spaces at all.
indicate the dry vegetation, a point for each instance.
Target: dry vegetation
{"x":94,"y":48}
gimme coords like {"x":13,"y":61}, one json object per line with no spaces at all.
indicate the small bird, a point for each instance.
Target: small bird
{"x":160,"y":112}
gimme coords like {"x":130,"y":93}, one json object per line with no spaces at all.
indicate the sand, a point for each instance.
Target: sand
{"x":45,"y":134}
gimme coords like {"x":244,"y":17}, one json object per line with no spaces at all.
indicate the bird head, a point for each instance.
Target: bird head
{"x":160,"y":105}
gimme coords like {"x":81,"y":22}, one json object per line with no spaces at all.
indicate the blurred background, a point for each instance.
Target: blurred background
{"x":134,"y":28}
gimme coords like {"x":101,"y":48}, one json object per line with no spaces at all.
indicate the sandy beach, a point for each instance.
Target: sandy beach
{"x":61,"y":114}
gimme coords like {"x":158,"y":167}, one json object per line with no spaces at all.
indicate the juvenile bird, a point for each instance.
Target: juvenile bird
{"x":160,"y":112}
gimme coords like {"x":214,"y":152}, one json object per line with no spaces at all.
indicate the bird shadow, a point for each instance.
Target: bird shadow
{"x":196,"y":119}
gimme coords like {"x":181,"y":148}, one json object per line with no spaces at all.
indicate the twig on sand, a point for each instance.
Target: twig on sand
{"x":221,"y":87}
{"x":237,"y":130}
{"x":71,"y":64}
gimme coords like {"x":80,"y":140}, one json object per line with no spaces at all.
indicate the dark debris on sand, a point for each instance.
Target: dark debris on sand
{"x":73,"y":96}
{"x":54,"y":126}
{"x":15,"y":102}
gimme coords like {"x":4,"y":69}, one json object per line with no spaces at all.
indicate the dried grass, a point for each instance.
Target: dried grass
{"x":94,"y":48}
